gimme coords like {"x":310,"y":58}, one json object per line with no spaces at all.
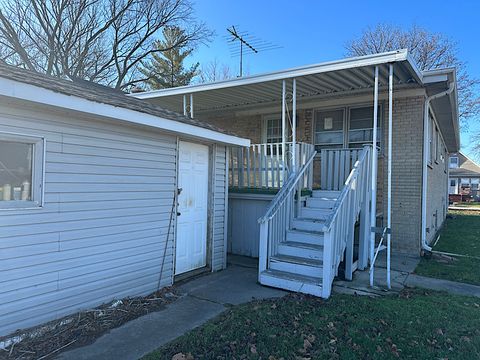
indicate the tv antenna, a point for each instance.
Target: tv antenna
{"x":249,"y":44}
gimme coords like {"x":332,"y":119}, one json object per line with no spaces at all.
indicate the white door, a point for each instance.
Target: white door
{"x":453,"y":186}
{"x":191,"y":246}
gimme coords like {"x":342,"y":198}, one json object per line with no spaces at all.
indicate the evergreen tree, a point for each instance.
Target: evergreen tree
{"x":165,"y":68}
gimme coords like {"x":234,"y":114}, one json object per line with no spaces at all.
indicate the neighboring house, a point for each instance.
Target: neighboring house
{"x":464,"y":177}
{"x":330,"y":108}
{"x":88,"y":211}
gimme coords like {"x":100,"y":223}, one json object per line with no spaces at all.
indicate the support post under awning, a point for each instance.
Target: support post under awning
{"x":389,"y":170}
{"x":294,"y":126}
{"x":373,"y":213}
{"x":284,"y":125}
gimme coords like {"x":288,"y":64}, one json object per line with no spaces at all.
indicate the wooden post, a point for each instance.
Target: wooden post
{"x":263,"y":248}
{"x":350,"y":237}
{"x":327,"y":264}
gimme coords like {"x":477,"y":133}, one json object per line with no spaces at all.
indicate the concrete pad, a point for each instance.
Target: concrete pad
{"x":360,"y":283}
{"x":452,"y":287}
{"x":235,"y":285}
{"x":147,"y":333}
{"x":202,"y":299}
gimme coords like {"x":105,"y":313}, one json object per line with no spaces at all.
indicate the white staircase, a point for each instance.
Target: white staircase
{"x":303,"y":241}
{"x":297,"y":264}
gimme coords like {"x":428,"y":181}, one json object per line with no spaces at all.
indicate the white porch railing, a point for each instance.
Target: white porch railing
{"x":265,"y":166}
{"x":336,"y":165}
{"x":282,"y":210}
{"x":339,"y":227}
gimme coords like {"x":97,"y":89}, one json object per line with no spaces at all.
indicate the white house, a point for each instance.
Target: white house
{"x":89,"y":209}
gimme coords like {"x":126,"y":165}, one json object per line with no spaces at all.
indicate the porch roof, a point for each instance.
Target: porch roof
{"x":333,"y":77}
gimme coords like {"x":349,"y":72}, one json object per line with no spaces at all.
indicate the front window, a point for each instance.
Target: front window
{"x":360,"y":130}
{"x":453,"y":182}
{"x":474,"y":183}
{"x":335,"y":130}
{"x":329,"y":129}
{"x":21,"y":161}
{"x":273,"y":130}
{"x":453,"y":162}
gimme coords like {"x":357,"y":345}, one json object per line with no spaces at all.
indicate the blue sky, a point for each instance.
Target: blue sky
{"x":316,"y":31}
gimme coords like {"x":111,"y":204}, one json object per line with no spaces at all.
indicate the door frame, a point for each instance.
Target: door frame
{"x":210,"y":210}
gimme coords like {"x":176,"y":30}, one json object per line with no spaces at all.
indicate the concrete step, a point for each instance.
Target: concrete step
{"x":311,"y":237}
{"x":320,"y":203}
{"x":296,"y":265}
{"x":310,"y":225}
{"x":300,"y":249}
{"x":312,"y":213}
{"x":292,"y":282}
{"x":326,"y":194}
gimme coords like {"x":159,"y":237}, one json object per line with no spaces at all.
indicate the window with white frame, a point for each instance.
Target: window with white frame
{"x":21,"y":171}
{"x":453,"y":164}
{"x":453,"y":182}
{"x":474,"y":182}
{"x":272,"y":130}
{"x":431,"y":126}
{"x":328,"y":131}
{"x":436,"y":143}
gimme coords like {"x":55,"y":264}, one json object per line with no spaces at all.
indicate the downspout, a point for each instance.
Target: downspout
{"x":425,"y":162}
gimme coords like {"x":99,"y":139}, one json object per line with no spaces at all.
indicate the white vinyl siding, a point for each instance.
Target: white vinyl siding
{"x":219,"y":213}
{"x":102,"y":231}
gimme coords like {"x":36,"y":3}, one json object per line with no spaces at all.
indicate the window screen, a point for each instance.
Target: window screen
{"x":16,"y":171}
{"x":361,"y":127}
{"x":329,"y":129}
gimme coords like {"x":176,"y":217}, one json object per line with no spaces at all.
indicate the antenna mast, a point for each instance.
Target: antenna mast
{"x":240,"y":38}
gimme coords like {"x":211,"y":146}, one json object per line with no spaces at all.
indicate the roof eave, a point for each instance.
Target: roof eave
{"x":35,"y":94}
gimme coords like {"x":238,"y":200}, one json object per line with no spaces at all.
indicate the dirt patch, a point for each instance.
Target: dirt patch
{"x":48,"y":340}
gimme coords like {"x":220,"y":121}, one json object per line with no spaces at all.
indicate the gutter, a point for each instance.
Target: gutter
{"x":425,"y":245}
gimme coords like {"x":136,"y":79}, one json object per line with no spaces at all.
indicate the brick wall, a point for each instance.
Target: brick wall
{"x":249,"y":127}
{"x":406,"y":167}
{"x":406,"y":173}
{"x":436,"y":194}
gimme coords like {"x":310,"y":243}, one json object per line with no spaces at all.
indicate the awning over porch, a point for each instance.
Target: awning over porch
{"x":325,"y":79}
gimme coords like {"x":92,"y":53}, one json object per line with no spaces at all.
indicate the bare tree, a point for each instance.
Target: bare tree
{"x":214,"y":71}
{"x":429,"y":50}
{"x":97,"y":40}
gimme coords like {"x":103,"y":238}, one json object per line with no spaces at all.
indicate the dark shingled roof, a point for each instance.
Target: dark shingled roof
{"x":466,"y":167}
{"x":97,"y":93}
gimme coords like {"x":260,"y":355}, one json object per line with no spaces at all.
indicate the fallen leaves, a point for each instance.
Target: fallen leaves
{"x":182,"y":356}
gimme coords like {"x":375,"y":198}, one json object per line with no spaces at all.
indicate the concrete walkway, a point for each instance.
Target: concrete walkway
{"x":473,"y":208}
{"x":207,"y":296}
{"x":202,"y":299}
{"x":402,"y":268}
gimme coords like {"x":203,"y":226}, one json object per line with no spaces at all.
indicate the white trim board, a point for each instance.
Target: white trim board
{"x":22,"y":91}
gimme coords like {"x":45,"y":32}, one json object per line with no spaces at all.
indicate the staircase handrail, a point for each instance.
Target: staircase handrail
{"x":290,"y":184}
{"x":346,"y":188}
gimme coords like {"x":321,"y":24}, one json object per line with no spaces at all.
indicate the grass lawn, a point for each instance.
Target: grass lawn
{"x":460,"y":235}
{"x":415,"y":324}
